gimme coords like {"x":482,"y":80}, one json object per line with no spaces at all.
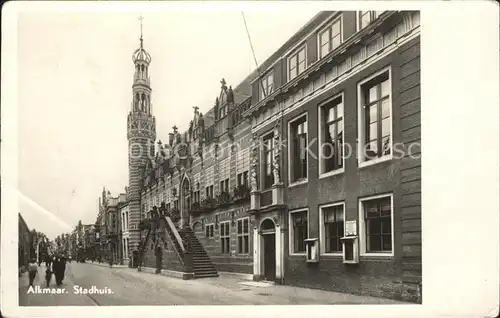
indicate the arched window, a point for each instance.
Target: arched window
{"x":137,"y":102}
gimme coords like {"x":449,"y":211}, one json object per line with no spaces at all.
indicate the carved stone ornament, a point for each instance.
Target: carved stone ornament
{"x":276,"y":161}
{"x":253,"y":173}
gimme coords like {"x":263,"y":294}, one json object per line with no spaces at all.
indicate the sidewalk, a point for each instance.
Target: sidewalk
{"x":107,"y":265}
{"x":233,"y":283}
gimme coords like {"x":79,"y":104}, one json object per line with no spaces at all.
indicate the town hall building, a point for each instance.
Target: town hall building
{"x":306,"y":173}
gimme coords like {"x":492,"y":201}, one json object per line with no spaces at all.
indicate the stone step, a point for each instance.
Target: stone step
{"x":203,"y":266}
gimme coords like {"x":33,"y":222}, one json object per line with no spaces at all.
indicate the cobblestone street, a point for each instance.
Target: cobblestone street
{"x":129,"y":287}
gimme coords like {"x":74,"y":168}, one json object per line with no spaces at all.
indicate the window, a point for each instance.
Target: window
{"x":224,"y":174}
{"x":298,"y":149}
{"x":375,"y":117}
{"x":266,"y":85}
{"x":242,"y":166}
{"x":330,"y":38}
{"x":196,"y":195}
{"x":209,"y":191}
{"x":268,"y":144}
{"x":126,"y":218}
{"x":331,"y":135}
{"x":176,"y":204}
{"x":299,"y":231}
{"x":376,"y":224}
{"x":366,"y":17}
{"x":209,"y":181}
{"x":242,"y":179}
{"x":243,"y":235}
{"x":224,"y":185}
{"x":332,"y":228}
{"x":224,"y":237}
{"x":297,"y":63}
{"x":209,"y":230}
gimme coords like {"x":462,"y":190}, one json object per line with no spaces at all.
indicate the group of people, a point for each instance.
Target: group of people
{"x":54,"y":265}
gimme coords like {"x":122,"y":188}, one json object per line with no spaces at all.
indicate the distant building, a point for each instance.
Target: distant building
{"x":124,"y":228}
{"x":24,"y":246}
{"x":110,"y":241}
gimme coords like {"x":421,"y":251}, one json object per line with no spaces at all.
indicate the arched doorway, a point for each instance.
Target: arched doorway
{"x":185,"y":201}
{"x":268,"y":232}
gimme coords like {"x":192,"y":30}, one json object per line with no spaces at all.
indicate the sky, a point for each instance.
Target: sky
{"x":75,"y":74}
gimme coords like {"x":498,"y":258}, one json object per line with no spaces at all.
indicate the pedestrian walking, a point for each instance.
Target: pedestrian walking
{"x":56,"y":269}
{"x":32,"y":271}
{"x":48,"y":276}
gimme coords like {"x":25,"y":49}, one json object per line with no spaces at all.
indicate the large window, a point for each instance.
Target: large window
{"x":243,"y":236}
{"x":331,"y":135}
{"x":209,"y":192}
{"x":266,"y":85}
{"x":242,"y":165}
{"x":224,"y":174}
{"x":224,"y":185}
{"x":376,"y":224}
{"x":299,"y":232}
{"x":298,"y":149}
{"x":209,"y":230}
{"x":196,"y":194}
{"x":332,"y":228}
{"x":366,"y":17}
{"x":224,"y":238}
{"x":375,"y":112}
{"x":296,"y":63}
{"x":330,"y":38}
{"x":243,"y":179}
{"x":268,"y":145}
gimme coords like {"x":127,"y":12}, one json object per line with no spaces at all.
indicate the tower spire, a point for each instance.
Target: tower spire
{"x":140,"y":19}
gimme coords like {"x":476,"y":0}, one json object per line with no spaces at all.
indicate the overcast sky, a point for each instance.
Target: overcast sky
{"x":75,"y":76}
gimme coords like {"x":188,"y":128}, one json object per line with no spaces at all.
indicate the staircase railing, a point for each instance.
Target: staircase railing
{"x":143,"y":247}
{"x":176,"y":241}
{"x":174,"y":231}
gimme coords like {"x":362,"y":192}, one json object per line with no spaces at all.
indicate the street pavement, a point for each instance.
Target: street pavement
{"x":125,"y":286}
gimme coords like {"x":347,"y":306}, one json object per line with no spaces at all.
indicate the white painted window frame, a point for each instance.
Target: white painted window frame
{"x":243,"y":235}
{"x":362,"y":227}
{"x":291,"y":55}
{"x":322,"y":230}
{"x":228,"y":235}
{"x":265,"y":79}
{"x":262,"y":162}
{"x":322,"y":174}
{"x":291,"y":233}
{"x":372,"y":18}
{"x":361,"y":121}
{"x":340,"y":19}
{"x":289,"y":146}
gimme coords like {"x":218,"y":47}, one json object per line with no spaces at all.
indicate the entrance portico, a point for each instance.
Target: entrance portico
{"x":268,"y":250}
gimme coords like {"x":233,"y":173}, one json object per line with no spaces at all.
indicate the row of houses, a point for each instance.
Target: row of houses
{"x":306,"y":173}
{"x":25,"y":248}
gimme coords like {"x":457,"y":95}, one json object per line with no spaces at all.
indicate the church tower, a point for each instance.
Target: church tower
{"x":141,"y":134}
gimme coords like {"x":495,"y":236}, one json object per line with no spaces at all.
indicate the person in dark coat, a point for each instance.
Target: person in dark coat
{"x":57,"y":269}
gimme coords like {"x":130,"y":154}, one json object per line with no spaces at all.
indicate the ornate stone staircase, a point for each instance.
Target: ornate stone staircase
{"x":202,"y":265}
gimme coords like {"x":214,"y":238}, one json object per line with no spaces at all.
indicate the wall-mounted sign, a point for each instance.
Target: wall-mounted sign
{"x":350,"y":228}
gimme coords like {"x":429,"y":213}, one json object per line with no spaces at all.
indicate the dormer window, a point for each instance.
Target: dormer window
{"x":297,"y":63}
{"x":330,"y":38}
{"x":267,"y":85}
{"x":364,"y":18}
